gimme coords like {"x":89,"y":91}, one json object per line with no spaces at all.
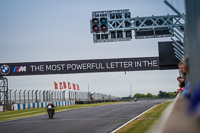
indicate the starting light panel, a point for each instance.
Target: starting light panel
{"x":100,"y":26}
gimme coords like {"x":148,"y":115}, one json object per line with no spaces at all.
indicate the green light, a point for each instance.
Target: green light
{"x":103,"y":20}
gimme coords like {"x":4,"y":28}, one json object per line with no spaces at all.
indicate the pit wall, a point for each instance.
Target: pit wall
{"x":40,"y":105}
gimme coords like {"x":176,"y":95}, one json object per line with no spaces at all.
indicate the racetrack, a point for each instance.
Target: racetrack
{"x":99,"y":119}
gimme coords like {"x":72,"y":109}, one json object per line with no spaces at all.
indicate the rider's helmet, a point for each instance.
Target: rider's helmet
{"x":50,"y":102}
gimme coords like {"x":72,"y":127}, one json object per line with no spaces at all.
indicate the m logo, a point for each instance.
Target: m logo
{"x":19,"y":69}
{"x":5,"y":69}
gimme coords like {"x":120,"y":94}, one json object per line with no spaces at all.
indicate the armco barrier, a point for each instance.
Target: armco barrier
{"x":40,"y":105}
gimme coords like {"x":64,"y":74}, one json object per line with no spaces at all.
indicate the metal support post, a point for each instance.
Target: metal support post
{"x":36,"y":99}
{"x":69,"y":95}
{"x":28,"y":96}
{"x":24,"y":96}
{"x":174,"y":9}
{"x":63,"y":95}
{"x":44,"y":99}
{"x":10,"y":98}
{"x":49,"y":95}
{"x":60,"y":96}
{"x":40,"y":99}
{"x":20,"y":96}
{"x":47,"y":98}
{"x":15,"y":95}
{"x":52,"y":99}
{"x":32,"y":96}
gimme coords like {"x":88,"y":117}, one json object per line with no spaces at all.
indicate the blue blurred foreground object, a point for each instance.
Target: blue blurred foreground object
{"x":195,"y":100}
{"x":185,"y":92}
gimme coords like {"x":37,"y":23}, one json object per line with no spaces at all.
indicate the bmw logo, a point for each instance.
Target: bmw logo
{"x":5,"y":69}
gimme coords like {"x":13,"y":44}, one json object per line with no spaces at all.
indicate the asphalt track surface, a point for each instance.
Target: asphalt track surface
{"x":99,"y":119}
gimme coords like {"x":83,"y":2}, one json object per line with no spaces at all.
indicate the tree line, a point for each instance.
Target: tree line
{"x":161,"y":94}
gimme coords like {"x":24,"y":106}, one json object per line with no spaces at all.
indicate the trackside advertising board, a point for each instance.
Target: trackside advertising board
{"x":79,"y":66}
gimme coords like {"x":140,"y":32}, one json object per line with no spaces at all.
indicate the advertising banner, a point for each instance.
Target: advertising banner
{"x":79,"y":66}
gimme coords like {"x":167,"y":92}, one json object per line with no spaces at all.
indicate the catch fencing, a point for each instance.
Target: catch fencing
{"x":40,"y":96}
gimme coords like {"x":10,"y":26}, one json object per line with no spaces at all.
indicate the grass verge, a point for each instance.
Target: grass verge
{"x":145,"y":122}
{"x":11,"y":115}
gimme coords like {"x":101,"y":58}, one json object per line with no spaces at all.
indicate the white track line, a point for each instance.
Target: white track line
{"x":132,"y":120}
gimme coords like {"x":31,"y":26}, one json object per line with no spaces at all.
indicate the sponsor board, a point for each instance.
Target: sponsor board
{"x":80,"y":66}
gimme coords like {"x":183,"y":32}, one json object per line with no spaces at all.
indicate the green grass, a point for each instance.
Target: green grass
{"x":145,"y":122}
{"x":10,"y":115}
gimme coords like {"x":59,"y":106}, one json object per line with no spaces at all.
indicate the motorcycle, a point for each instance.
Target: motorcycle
{"x":135,"y":99}
{"x":50,"y":111}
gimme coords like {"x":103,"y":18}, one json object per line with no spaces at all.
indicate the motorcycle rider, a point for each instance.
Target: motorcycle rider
{"x":136,"y":99}
{"x":52,"y":105}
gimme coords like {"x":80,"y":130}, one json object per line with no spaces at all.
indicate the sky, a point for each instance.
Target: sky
{"x":59,"y":30}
